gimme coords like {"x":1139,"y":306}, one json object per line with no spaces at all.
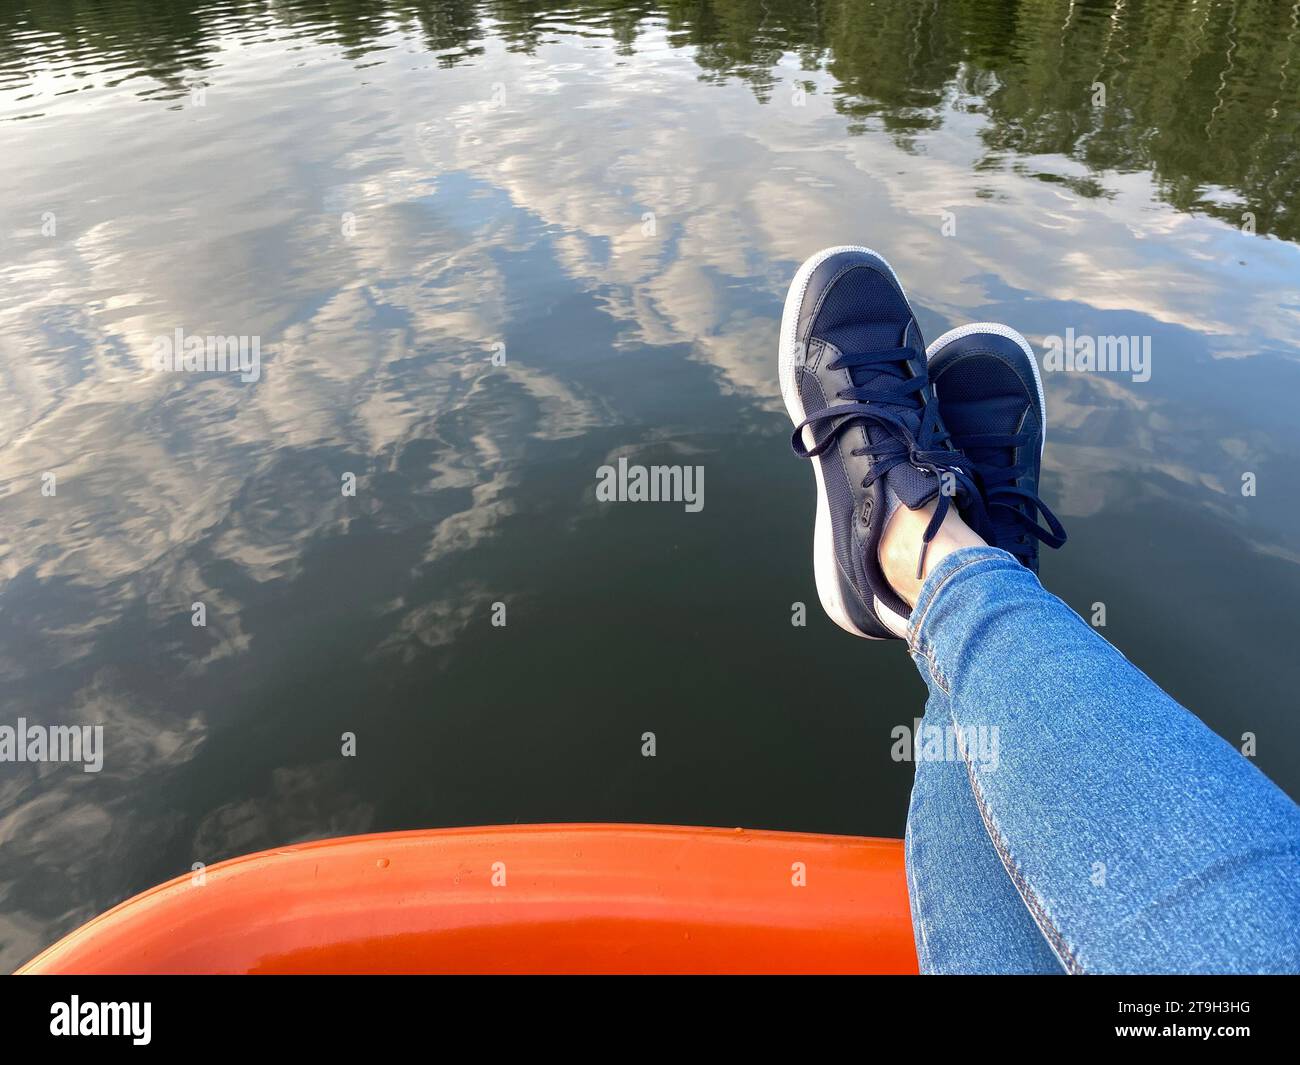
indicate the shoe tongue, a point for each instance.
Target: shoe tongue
{"x":871,"y":336}
{"x":883,"y":376}
{"x":904,"y":483}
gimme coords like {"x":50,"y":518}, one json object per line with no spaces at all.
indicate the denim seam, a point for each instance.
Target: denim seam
{"x":916,"y":628}
{"x":1055,"y":937}
{"x":916,"y":904}
{"x":923,"y":958}
{"x":935,"y":673}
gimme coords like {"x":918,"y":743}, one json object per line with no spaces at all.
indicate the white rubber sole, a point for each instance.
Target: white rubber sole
{"x":825,"y":568}
{"x":998,"y":329}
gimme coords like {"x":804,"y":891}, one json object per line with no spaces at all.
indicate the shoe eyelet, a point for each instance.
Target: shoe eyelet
{"x":864,"y":512}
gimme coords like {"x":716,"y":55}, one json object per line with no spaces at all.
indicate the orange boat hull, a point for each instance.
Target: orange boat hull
{"x":520,"y":899}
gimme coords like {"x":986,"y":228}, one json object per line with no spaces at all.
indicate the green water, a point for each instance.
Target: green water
{"x":613,"y":197}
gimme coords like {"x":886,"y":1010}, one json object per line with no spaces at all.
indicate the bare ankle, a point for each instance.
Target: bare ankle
{"x":901,"y":546}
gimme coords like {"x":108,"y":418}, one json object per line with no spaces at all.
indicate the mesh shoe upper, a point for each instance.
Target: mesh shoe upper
{"x":990,"y":402}
{"x":870,"y":417}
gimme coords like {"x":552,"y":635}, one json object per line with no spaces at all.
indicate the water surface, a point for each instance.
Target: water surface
{"x":613,"y":197}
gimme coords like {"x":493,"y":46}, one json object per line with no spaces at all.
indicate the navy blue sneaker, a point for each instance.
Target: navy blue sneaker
{"x":991,"y":400}
{"x":854,"y":377}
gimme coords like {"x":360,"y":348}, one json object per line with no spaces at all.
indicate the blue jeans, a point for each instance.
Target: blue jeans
{"x":1067,"y":815}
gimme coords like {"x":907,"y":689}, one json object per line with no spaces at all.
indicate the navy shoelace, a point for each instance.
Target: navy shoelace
{"x":896,"y":404}
{"x":1013,"y":511}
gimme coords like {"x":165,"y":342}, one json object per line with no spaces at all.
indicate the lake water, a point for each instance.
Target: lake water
{"x":485,"y":250}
